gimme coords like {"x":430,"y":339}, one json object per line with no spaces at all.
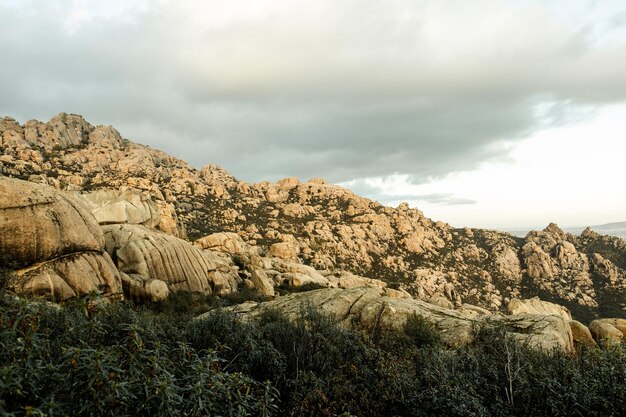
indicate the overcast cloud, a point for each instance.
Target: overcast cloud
{"x":338,"y":89}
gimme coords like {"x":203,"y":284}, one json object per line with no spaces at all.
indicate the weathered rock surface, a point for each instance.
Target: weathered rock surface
{"x":581,"y":334}
{"x":366,"y":307}
{"x":38,"y":224}
{"x":70,"y":276}
{"x":225,"y":242}
{"x":122,"y":206}
{"x":326,"y":226}
{"x":348,"y":280}
{"x":138,"y":287}
{"x":284,"y":250}
{"x":536,"y":306}
{"x":53,"y":242}
{"x":554,"y":264}
{"x":605,"y":332}
{"x":146,"y":255}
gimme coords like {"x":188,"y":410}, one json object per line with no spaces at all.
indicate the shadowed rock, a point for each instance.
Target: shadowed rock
{"x":366,"y":307}
{"x":53,"y":242}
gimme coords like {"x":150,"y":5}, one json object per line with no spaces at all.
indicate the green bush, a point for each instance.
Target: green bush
{"x":184,"y":303}
{"x":113,"y":361}
{"x":89,"y":358}
{"x":6,"y":280}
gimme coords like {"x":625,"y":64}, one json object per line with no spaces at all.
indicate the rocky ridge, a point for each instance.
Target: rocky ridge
{"x":313,"y":225}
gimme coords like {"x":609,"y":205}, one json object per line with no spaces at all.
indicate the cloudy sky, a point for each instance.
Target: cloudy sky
{"x":491,"y":113}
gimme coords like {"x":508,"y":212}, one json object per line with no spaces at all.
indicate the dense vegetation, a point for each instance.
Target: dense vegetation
{"x":90,"y":358}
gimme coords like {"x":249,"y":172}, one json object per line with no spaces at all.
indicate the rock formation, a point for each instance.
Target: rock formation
{"x":53,"y":243}
{"x":316,"y":224}
{"x":367,"y":307}
{"x":537,"y":306}
{"x":122,"y":206}
{"x":146,"y":255}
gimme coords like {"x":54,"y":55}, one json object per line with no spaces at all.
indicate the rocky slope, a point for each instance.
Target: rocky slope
{"x":318,"y":224}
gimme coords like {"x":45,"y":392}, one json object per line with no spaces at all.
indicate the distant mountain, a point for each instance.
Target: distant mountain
{"x":617,"y":229}
{"x":610,"y":229}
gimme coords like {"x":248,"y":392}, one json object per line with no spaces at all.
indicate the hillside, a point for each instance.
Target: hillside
{"x":326,"y":226}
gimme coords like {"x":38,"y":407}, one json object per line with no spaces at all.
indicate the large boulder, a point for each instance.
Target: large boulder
{"x":53,"y":243}
{"x":536,"y":306}
{"x":366,"y":307}
{"x":581,"y":334}
{"x":146,"y":255}
{"x":122,"y":206}
{"x":70,"y":276}
{"x":349,"y":280}
{"x":605,"y":332}
{"x":544,"y":332}
{"x":139,"y":288}
{"x":39,"y":223}
{"x":225,"y":242}
{"x":294,"y":274}
{"x":619,"y":324}
{"x":128,"y":205}
{"x":284,"y":250}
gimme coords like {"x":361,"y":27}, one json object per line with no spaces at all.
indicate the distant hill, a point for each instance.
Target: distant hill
{"x":617,"y":229}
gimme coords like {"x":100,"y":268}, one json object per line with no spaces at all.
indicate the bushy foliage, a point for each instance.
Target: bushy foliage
{"x":113,"y":360}
{"x":98,"y":359}
{"x":184,"y":303}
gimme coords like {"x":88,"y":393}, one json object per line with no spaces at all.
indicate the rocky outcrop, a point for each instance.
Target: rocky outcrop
{"x":326,"y":226}
{"x":536,"y":306}
{"x":70,"y":154}
{"x":346,"y":280}
{"x":554,"y":265}
{"x":122,"y":206}
{"x":39,"y":224}
{"x":225,"y":242}
{"x":139,"y":287}
{"x":581,"y":334}
{"x":259,"y":278}
{"x":366,"y":307}
{"x":146,"y":255}
{"x":284,"y":250}
{"x":53,"y":243}
{"x":70,"y":276}
{"x":607,"y":331}
{"x":133,"y":207}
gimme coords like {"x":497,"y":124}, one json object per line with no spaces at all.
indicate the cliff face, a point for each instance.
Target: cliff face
{"x":326,"y":226}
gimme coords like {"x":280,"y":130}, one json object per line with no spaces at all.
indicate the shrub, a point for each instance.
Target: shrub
{"x":6,"y":280}
{"x":241,"y":344}
{"x":243,"y":295}
{"x":89,"y":358}
{"x":184,"y":303}
{"x":113,"y":361}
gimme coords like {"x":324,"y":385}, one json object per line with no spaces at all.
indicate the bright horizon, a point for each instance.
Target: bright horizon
{"x":502,"y":114}
{"x":552,"y":169}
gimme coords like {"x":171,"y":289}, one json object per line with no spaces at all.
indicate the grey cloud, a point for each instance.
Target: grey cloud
{"x":341,"y":91}
{"x":363,"y":188}
{"x":447,"y":199}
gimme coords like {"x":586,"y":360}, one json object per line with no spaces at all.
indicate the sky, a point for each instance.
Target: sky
{"x":503,"y":114}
